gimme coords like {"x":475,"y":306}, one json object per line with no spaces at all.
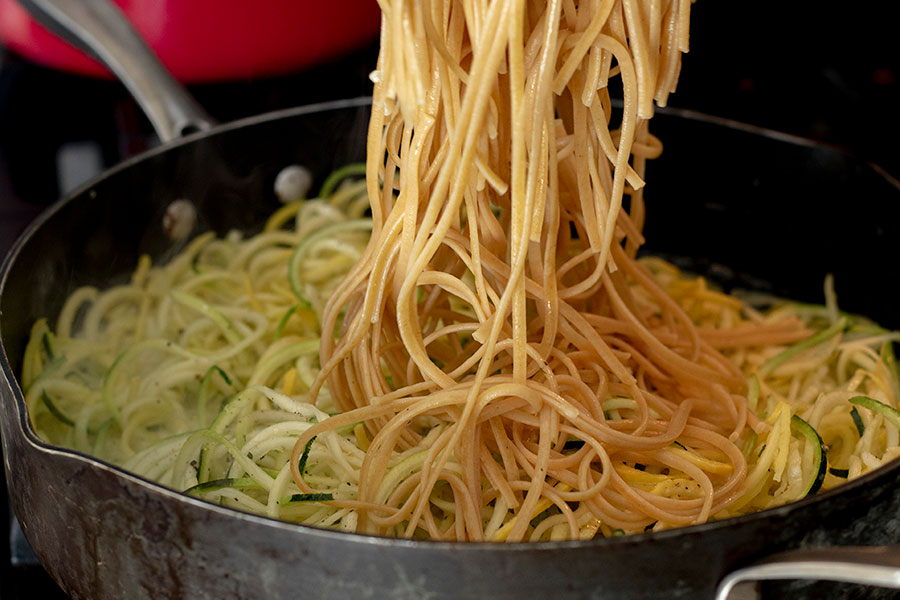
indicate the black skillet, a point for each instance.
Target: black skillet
{"x":760,"y":210}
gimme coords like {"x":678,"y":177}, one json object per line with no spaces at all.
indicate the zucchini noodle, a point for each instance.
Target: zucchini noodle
{"x":196,"y":373}
{"x":465,"y":345}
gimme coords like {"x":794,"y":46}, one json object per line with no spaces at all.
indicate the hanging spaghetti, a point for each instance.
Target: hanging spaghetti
{"x":496,"y":299}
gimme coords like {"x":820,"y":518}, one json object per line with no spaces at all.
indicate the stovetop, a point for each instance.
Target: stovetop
{"x":815,"y":71}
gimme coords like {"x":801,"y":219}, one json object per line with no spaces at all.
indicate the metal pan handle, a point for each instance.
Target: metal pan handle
{"x":99,"y":28}
{"x":867,"y":565}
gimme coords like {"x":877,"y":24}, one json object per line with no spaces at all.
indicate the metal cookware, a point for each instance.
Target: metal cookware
{"x":761,"y":210}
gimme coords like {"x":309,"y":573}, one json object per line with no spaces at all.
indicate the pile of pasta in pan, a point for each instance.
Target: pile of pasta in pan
{"x":458,"y":340}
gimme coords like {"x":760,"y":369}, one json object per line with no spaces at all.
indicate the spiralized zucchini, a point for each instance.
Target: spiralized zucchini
{"x":194,"y":374}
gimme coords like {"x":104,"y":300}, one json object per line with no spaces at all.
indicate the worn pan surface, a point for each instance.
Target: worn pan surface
{"x":779,"y":212}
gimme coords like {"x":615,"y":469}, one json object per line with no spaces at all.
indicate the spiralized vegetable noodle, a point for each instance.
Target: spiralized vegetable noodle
{"x":486,"y":357}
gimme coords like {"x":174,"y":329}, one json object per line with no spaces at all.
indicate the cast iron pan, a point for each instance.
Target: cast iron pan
{"x":772,"y":212}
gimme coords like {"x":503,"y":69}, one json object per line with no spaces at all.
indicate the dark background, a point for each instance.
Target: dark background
{"x":822,"y":70}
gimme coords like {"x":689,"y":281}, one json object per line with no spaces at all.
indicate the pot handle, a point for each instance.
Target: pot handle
{"x":100,"y":28}
{"x":867,"y":565}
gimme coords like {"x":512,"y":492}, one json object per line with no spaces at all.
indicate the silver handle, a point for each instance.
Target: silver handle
{"x":867,"y":565}
{"x":100,"y":28}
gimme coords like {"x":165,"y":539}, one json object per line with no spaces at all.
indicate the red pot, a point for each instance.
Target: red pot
{"x":213,"y":40}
